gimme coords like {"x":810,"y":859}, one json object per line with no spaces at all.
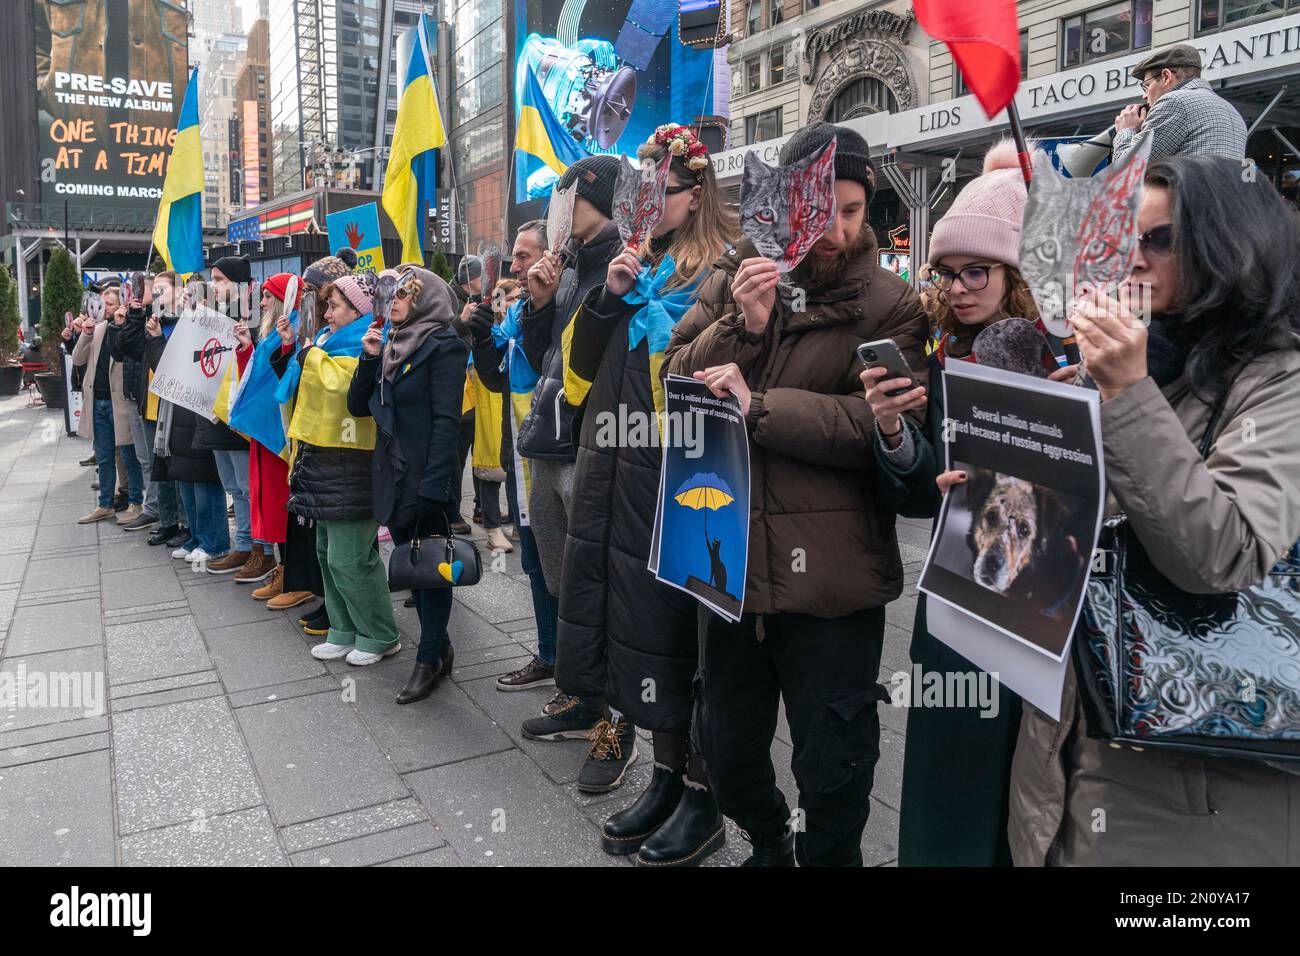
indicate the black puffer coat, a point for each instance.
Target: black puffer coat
{"x":619,"y":626}
{"x":327,"y":484}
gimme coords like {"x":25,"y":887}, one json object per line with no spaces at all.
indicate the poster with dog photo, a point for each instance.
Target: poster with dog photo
{"x":1014,"y":542}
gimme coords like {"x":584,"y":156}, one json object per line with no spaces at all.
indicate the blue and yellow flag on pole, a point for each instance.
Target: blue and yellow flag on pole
{"x":411,"y":177}
{"x":178,"y":231}
{"x":541,"y":138}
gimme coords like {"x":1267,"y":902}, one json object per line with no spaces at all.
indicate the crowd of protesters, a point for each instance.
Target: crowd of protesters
{"x":837,"y":453}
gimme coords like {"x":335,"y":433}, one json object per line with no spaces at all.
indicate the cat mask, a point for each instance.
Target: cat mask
{"x":491,"y":260}
{"x":784,"y":211}
{"x":639,"y":196}
{"x":385,"y":292}
{"x":1015,"y":345}
{"x":559,"y":217}
{"x":92,"y":304}
{"x":1080,"y":234}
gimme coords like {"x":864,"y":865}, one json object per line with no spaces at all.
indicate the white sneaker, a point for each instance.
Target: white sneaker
{"x":362,"y":658}
{"x":326,"y":651}
{"x":197,"y":556}
{"x":181,"y":554}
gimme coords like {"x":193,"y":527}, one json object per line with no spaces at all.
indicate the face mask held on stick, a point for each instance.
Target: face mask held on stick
{"x":640,"y":193}
{"x":786,"y":209}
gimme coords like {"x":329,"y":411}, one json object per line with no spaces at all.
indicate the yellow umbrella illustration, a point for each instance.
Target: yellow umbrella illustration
{"x":706,"y":492}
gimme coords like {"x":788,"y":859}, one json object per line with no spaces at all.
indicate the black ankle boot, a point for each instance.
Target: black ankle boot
{"x":625,"y":831}
{"x":771,"y":851}
{"x":692,"y":834}
{"x":424,"y":678}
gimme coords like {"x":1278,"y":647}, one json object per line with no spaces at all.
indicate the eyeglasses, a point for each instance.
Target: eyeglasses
{"x":1158,"y":241}
{"x":404,"y":292}
{"x":973,"y":278}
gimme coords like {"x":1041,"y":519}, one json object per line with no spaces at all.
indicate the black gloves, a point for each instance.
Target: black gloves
{"x":481,"y":321}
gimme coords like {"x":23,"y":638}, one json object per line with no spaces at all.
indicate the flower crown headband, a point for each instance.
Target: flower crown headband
{"x":682,"y":142}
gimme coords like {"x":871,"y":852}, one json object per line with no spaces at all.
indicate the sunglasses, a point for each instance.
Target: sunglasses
{"x":1158,"y":241}
{"x":674,"y":190}
{"x":404,"y":292}
{"x":973,"y":278}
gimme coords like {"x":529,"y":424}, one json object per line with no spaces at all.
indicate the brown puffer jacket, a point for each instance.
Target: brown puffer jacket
{"x":819,"y":542}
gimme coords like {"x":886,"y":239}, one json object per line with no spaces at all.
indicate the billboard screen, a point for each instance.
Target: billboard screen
{"x":609,"y":73}
{"x":110,"y":78}
{"x":251,"y":161}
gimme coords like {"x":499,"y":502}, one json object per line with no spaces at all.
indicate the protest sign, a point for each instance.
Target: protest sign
{"x":1013,"y":543}
{"x":358,"y":229}
{"x":195,"y":360}
{"x":700,"y":542}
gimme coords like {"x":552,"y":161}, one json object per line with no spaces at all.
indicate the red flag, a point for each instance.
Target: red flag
{"x":984,"y":40}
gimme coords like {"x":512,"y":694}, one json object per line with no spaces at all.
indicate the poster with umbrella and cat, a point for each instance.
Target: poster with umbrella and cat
{"x":700,"y":542}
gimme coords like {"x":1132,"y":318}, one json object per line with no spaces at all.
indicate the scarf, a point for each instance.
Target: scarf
{"x":255,"y":411}
{"x":318,"y":387}
{"x":433,"y":306}
{"x":1166,"y":359}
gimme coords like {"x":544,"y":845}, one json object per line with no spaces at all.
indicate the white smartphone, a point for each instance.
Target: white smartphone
{"x":884,"y":353}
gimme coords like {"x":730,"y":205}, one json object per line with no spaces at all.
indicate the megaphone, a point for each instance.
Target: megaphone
{"x":1080,"y":160}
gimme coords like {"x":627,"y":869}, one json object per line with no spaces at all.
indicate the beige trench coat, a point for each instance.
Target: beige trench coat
{"x":1209,"y":526}
{"x":86,"y":352}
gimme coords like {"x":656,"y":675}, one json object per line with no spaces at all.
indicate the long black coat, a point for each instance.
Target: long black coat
{"x":619,"y":626}
{"x":417,"y":423}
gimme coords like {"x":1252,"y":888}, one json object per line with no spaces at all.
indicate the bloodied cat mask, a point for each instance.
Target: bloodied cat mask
{"x":785,"y":210}
{"x":491,"y":261}
{"x":559,"y":216}
{"x":639,"y":196}
{"x":1080,"y":234}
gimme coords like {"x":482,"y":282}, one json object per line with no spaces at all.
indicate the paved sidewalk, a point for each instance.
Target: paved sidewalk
{"x":224,"y":742}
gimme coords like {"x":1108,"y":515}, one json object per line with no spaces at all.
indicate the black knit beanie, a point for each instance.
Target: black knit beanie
{"x":852,"y":154}
{"x":595,"y":176}
{"x":235,"y":268}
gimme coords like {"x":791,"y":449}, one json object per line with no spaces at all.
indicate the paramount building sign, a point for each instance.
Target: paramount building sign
{"x":880,"y":22}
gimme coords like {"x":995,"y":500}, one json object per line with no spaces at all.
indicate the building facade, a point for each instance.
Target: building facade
{"x":250,"y":147}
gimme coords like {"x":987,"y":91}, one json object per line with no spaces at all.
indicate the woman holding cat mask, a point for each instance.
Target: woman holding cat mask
{"x":615,"y":620}
{"x":957,"y":765}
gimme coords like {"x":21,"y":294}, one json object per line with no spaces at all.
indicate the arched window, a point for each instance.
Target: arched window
{"x":864,"y":95}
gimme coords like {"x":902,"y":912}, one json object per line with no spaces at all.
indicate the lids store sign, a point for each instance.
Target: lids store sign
{"x":1263,"y":46}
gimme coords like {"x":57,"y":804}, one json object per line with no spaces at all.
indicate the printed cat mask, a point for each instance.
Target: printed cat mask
{"x":640,"y":193}
{"x":559,"y":217}
{"x":1080,"y":234}
{"x":785,"y":210}
{"x":491,"y":260}
{"x":385,"y":292}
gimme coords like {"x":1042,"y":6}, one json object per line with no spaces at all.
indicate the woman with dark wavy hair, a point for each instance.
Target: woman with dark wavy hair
{"x":1218,"y":255}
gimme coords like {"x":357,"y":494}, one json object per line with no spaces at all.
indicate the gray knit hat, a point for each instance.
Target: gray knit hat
{"x":324,"y":271}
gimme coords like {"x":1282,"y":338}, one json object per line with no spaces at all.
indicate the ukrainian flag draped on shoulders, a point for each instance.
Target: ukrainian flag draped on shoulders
{"x":411,"y":177}
{"x":317,"y":385}
{"x":255,"y":411}
{"x":521,"y":379}
{"x":653,"y":323}
{"x":178,"y":230}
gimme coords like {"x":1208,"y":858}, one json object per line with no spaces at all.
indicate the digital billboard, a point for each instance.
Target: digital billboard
{"x":251,"y":158}
{"x":110,"y":78}
{"x":609,"y":72}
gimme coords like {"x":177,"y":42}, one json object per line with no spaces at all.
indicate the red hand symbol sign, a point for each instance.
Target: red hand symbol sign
{"x":354,"y":235}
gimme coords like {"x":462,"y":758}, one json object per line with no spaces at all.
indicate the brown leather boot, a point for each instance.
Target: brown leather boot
{"x":258,"y":567}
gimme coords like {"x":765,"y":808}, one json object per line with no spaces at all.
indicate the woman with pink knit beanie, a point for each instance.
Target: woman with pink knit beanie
{"x":957,"y":766}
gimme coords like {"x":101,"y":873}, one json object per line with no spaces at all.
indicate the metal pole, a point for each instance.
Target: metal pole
{"x":1022,"y":149}
{"x":23,"y":291}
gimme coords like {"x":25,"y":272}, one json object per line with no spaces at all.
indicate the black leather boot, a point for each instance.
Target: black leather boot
{"x":771,"y":851}
{"x":625,"y":831}
{"x":424,"y":678}
{"x":692,"y":834}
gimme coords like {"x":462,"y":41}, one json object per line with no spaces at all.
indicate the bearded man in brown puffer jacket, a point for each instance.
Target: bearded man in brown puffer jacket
{"x":823,"y":558}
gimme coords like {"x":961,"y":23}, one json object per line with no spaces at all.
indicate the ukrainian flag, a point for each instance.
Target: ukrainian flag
{"x":410,"y":180}
{"x":178,"y":230}
{"x":541,"y":138}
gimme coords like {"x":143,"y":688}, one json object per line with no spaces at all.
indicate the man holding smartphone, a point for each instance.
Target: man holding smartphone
{"x":823,"y":558}
{"x":1186,"y":117}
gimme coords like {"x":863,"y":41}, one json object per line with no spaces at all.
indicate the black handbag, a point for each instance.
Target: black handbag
{"x":1208,"y":674}
{"x":434,"y":561}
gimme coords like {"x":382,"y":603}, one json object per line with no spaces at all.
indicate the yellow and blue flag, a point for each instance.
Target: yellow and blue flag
{"x":178,"y":231}
{"x":411,"y":178}
{"x":540,"y":138}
